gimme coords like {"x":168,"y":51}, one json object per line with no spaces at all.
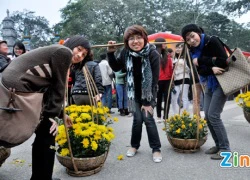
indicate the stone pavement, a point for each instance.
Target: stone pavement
{"x":175,"y":166}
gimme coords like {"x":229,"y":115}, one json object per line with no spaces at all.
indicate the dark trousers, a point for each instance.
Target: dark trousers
{"x":80,"y":99}
{"x":213,"y":106}
{"x":42,"y":155}
{"x":153,"y":136}
{"x":163,"y":92}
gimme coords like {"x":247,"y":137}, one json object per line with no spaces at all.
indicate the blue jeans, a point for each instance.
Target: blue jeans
{"x":122,"y":96}
{"x":107,"y":96}
{"x":153,"y":136}
{"x":213,"y":106}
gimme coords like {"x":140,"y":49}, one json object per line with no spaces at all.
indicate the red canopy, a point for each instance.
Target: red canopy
{"x":174,"y":38}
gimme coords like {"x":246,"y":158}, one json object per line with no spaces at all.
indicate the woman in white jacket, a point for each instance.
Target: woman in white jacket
{"x":180,"y":74}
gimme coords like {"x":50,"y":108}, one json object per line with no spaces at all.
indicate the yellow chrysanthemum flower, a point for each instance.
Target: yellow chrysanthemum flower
{"x":120,"y":157}
{"x":64,"y":152}
{"x":115,"y":119}
{"x":183,"y":126}
{"x":178,"y":131}
{"x":247,"y":103}
{"x":85,"y":143}
{"x":94,"y":145}
{"x":61,"y":142}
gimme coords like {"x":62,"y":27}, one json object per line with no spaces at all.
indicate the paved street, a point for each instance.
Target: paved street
{"x":175,"y":166}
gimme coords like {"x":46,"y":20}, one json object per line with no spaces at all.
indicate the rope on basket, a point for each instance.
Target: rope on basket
{"x":186,"y":53}
{"x":92,"y":92}
{"x":196,"y":95}
{"x":169,"y":89}
{"x":65,"y":125}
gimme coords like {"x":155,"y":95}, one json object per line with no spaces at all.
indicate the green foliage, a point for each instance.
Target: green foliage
{"x":240,"y":7}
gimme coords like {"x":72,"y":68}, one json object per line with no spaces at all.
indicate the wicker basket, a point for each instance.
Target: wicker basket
{"x":4,"y":154}
{"x":186,"y":145}
{"x":247,"y":115}
{"x":86,"y":166}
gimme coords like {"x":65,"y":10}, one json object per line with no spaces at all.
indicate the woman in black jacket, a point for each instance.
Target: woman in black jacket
{"x":210,"y":58}
{"x":141,"y":60}
{"x":80,"y":92}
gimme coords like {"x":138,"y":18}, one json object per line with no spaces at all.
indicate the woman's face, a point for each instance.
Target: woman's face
{"x":136,"y":42}
{"x":79,"y":53}
{"x":193,"y":39}
{"x":164,"y":46}
{"x":18,"y":51}
{"x":4,"y":48}
{"x":178,"y":49}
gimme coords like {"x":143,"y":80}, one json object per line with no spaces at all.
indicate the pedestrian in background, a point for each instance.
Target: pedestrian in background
{"x":166,"y":71}
{"x":107,"y":78}
{"x":4,"y":59}
{"x":18,"y":49}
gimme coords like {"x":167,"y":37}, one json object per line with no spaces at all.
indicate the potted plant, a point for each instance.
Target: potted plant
{"x":186,"y":133}
{"x":90,"y":137}
{"x":243,"y":101}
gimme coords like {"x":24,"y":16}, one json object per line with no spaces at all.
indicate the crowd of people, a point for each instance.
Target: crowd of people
{"x":141,"y":75}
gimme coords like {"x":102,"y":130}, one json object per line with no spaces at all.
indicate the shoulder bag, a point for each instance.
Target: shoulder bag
{"x":19,"y":115}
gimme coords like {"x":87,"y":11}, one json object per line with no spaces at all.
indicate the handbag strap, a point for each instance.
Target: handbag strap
{"x":226,"y":46}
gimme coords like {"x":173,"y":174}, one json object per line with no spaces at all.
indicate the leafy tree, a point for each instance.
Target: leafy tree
{"x":39,"y":30}
{"x":240,"y":7}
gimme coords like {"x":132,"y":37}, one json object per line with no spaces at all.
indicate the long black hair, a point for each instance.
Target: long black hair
{"x":162,"y":52}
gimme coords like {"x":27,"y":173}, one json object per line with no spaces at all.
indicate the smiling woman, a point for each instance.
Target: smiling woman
{"x":141,"y":61}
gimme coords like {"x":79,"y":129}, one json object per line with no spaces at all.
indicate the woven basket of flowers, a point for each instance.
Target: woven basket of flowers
{"x":4,"y":154}
{"x":186,"y":133}
{"x":83,"y":148}
{"x":243,"y":101}
{"x":89,"y":140}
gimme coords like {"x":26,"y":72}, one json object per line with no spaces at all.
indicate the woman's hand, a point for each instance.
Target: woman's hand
{"x":218,"y":70}
{"x":98,"y":97}
{"x":54,"y":127}
{"x":68,"y":121}
{"x":111,"y":48}
{"x":195,"y":62}
{"x":148,"y":109}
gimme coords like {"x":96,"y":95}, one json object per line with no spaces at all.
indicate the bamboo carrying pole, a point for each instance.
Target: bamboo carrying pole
{"x":92,"y":91}
{"x":186,"y":57}
{"x":121,"y":44}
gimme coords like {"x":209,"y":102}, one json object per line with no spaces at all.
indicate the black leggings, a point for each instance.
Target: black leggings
{"x":163,"y":91}
{"x":43,"y":156}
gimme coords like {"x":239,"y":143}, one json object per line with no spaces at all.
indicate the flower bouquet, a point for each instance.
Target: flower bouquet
{"x":90,"y":137}
{"x":243,"y":101}
{"x":186,"y":132}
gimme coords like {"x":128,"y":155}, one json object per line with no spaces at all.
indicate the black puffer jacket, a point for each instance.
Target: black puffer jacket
{"x":213,"y":49}
{"x":79,"y":81}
